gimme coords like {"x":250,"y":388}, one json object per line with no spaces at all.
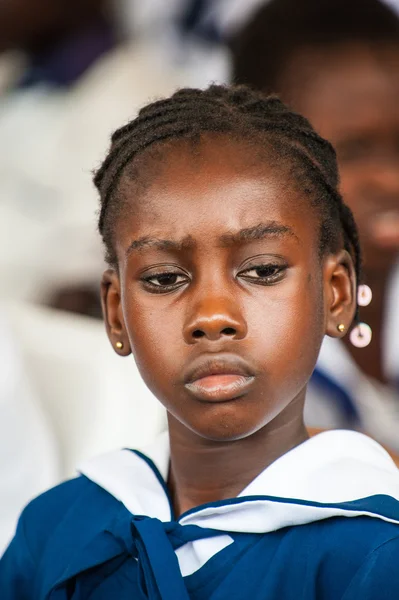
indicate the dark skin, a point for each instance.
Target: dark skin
{"x":238,"y":281}
{"x":350,"y":95}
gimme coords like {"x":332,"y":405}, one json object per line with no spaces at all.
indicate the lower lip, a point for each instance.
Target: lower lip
{"x":220,"y":388}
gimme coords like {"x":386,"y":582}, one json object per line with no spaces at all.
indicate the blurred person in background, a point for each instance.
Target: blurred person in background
{"x":337,"y":62}
{"x":187,"y":32}
{"x":67,"y":77}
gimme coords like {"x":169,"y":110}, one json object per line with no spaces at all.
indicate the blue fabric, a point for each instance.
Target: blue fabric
{"x":196,"y":19}
{"x":78,"y":542}
{"x":67,"y":62}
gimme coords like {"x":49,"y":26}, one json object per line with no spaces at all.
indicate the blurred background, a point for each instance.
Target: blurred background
{"x":70,"y":73}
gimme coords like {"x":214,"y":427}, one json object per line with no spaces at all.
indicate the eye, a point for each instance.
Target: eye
{"x":160,"y":283}
{"x":266,"y":274}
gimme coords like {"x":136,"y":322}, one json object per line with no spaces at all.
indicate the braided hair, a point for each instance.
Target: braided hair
{"x":238,"y":113}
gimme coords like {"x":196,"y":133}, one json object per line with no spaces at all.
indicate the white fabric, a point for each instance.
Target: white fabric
{"x":158,"y":22}
{"x":121,"y":473}
{"x":231,"y":15}
{"x":393,"y":4}
{"x":377,"y":404}
{"x":391,"y":332}
{"x":94,"y":400}
{"x":333,"y":467}
{"x":28,"y":451}
{"x":194,"y":555}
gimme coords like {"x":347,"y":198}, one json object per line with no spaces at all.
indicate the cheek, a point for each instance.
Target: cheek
{"x":156,"y":342}
{"x":288,"y":327}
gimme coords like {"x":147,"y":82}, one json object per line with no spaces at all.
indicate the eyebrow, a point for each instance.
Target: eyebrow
{"x":248,"y":234}
{"x":161,"y":244}
{"x":257,"y":232}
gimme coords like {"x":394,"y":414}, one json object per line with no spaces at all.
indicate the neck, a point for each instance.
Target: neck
{"x":204,"y":471}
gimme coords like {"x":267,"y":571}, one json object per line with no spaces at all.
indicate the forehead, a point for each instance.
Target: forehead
{"x":213,"y":187}
{"x":347,"y":88}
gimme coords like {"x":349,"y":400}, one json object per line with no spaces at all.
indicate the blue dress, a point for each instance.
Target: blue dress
{"x":111,"y":532}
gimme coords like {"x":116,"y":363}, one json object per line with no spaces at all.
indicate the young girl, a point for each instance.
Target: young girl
{"x":231,"y":255}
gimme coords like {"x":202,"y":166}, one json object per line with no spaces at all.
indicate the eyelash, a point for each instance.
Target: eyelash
{"x":162,"y":289}
{"x":277,"y":273}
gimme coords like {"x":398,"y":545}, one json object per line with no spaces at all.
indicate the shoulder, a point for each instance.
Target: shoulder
{"x":74,"y":500}
{"x":50,"y":530}
{"x":59,"y":496}
{"x":70,"y":502}
{"x":349,"y":553}
{"x":353,"y":538}
{"x":19,"y":564}
{"x":378,"y":575}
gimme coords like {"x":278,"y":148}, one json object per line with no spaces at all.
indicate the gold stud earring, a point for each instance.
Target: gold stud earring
{"x":341,"y":328}
{"x":119,"y":345}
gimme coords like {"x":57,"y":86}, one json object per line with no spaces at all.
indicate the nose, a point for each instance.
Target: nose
{"x":213,"y":319}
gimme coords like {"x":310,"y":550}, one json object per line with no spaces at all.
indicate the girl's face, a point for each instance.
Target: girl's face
{"x":221,"y":293}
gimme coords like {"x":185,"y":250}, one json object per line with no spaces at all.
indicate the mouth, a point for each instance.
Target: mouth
{"x":219,"y":379}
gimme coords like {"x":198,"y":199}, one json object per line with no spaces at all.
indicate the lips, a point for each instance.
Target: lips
{"x":219,"y":379}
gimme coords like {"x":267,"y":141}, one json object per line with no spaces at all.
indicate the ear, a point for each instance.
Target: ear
{"x":112,"y":311}
{"x":339,"y":293}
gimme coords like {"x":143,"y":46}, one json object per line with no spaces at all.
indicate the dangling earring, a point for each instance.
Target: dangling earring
{"x":364,"y":295}
{"x":119,"y":345}
{"x":361,"y":335}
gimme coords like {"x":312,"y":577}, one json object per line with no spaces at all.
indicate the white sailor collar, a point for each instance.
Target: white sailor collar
{"x":332,"y":468}
{"x":336,"y":473}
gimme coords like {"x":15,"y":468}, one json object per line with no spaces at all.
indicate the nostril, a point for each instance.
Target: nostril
{"x":198,"y":333}
{"x":229,"y":331}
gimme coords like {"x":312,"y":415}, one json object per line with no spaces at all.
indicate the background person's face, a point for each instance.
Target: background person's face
{"x":275,"y":325}
{"x":351,"y":96}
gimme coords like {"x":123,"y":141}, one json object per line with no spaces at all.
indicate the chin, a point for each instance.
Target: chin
{"x":225,"y":426}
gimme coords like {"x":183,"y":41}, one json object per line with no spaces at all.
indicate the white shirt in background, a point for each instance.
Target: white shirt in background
{"x":28,"y":451}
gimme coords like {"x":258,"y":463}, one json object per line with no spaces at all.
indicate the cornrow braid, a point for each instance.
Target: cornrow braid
{"x":234,"y":111}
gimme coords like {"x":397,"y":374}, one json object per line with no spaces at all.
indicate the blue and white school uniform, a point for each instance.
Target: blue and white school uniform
{"x":321,"y":522}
